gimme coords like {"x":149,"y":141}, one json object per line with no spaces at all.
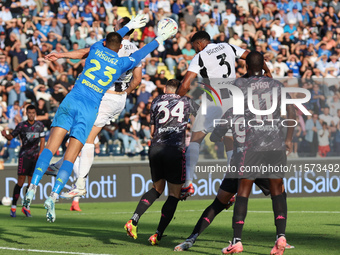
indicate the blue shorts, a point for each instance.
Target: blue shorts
{"x":77,"y":115}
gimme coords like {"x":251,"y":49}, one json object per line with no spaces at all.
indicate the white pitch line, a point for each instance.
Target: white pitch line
{"x":54,"y":252}
{"x":178,"y":211}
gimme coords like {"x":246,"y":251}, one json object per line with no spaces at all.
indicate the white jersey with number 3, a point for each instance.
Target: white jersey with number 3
{"x":216,"y":61}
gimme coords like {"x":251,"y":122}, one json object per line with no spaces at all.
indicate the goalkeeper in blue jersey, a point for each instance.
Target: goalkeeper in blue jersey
{"x":78,"y":111}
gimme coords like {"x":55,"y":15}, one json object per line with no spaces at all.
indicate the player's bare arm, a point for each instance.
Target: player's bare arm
{"x":185,"y":86}
{"x":42,"y":144}
{"x":136,"y":80}
{"x":77,"y":54}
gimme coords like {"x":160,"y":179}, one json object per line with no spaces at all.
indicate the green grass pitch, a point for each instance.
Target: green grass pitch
{"x":313,"y":228}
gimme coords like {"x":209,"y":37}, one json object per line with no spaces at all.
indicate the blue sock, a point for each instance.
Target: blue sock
{"x":41,"y":166}
{"x":63,"y":175}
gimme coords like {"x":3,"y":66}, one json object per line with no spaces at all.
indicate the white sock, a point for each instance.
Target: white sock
{"x":14,"y":206}
{"x":76,"y":199}
{"x":86,"y":159}
{"x":191,"y":156}
{"x":81,"y":183}
{"x":76,"y":167}
{"x":59,"y":162}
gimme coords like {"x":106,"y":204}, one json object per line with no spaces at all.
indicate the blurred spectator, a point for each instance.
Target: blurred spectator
{"x":160,"y":82}
{"x":188,"y":52}
{"x":323,"y":138}
{"x":14,"y":114}
{"x":16,"y":95}
{"x":149,"y":85}
{"x":173,"y":56}
{"x":42,"y":113}
{"x":312,"y":128}
{"x":181,"y":70}
{"x":142,"y":94}
{"x":127,"y":134}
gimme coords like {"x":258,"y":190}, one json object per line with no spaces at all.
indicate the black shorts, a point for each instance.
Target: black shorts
{"x":167,"y":163}
{"x":231,"y":185}
{"x":264,"y":164}
{"x":26,"y":166}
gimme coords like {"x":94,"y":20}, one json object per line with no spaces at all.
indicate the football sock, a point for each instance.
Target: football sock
{"x":284,"y":195}
{"x":41,"y":166}
{"x":76,"y":168}
{"x":191,"y":156}
{"x":86,"y":159}
{"x":280,"y":214}
{"x":144,"y":203}
{"x":16,"y":194}
{"x":240,"y":213}
{"x":63,"y":175}
{"x":168,"y":211}
{"x":207,"y":217}
{"x":76,"y":199}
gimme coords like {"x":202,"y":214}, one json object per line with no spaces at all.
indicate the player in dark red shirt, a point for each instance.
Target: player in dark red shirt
{"x":264,"y":145}
{"x":31,"y":133}
{"x":169,"y":118}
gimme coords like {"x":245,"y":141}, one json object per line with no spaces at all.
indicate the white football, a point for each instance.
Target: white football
{"x":164,"y":22}
{"x":6,"y":201}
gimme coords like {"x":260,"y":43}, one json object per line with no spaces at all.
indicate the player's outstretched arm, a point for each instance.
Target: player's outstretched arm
{"x":163,"y":34}
{"x":185,"y":86}
{"x":136,"y":80}
{"x":77,"y":54}
{"x":136,"y":22}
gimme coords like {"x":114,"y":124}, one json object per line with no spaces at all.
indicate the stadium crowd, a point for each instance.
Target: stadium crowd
{"x":300,"y":41}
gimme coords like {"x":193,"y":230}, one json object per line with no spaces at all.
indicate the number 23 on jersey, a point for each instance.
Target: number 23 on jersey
{"x":108,"y":73}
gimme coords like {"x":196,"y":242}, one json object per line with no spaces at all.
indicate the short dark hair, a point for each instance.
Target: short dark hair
{"x":31,"y":107}
{"x":113,"y":40}
{"x":173,"y":84}
{"x":255,"y":61}
{"x":122,"y":22}
{"x":201,"y":35}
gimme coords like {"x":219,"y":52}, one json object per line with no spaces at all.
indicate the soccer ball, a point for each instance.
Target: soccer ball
{"x":6,"y":201}
{"x":164,"y":22}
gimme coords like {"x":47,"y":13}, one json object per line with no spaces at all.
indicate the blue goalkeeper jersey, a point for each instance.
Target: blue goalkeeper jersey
{"x":103,"y":67}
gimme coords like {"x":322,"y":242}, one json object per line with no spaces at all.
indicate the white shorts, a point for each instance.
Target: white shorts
{"x":204,"y":122}
{"x":110,"y":106}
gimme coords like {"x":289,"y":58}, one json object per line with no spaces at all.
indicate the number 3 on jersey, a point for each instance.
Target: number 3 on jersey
{"x":110,"y":71}
{"x":177,"y":111}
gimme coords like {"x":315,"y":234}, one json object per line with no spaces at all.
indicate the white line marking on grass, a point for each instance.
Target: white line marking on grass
{"x":54,"y":252}
{"x":179,"y":211}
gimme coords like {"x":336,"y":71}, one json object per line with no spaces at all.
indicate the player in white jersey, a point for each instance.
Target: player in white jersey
{"x":211,"y":61}
{"x":111,"y":105}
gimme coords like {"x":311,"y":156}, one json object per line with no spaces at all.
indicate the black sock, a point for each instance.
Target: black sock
{"x":16,"y":194}
{"x":284,"y":195}
{"x":168,"y":211}
{"x":144,"y":203}
{"x":280,"y":214}
{"x":207,"y":217}
{"x":240,"y":213}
